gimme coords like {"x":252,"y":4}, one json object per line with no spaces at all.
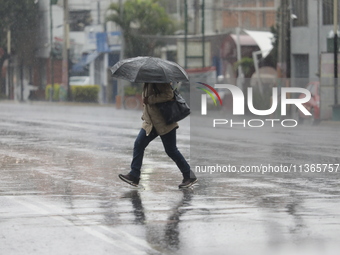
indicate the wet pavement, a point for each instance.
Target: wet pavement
{"x":60,"y":194}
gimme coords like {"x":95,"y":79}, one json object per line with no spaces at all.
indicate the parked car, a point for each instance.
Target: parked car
{"x":79,"y":80}
{"x":313,"y":105}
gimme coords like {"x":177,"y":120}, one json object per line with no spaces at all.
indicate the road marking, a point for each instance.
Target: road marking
{"x":32,"y":205}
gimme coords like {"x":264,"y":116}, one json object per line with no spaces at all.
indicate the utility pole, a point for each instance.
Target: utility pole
{"x":239,"y":57}
{"x":203,"y":34}
{"x":21,"y":80}
{"x":185,"y":33}
{"x":66,"y":50}
{"x":196,"y":16}
{"x":98,"y":12}
{"x":283,"y":67}
{"x":9,"y":85}
{"x":120,"y":82}
{"x":122,"y":49}
{"x":51,"y":54}
{"x":335,"y":19}
{"x":280,"y":43}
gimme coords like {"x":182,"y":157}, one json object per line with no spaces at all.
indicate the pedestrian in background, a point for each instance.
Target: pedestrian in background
{"x":154,"y":125}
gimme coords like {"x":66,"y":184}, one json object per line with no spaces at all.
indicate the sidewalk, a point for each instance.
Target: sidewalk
{"x":330,"y":123}
{"x":64,"y":103}
{"x":55,"y":103}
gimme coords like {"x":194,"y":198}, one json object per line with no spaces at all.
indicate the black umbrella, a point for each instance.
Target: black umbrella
{"x":149,"y":69}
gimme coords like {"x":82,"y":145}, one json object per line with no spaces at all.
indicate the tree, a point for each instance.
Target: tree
{"x":21,"y":19}
{"x":137,"y":19}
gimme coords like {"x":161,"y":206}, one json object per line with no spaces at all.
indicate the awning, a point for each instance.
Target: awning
{"x":85,"y":60}
{"x":79,"y":67}
{"x":263,"y":40}
{"x":91,"y":57}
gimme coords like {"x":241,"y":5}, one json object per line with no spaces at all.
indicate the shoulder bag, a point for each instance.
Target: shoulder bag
{"x":175,"y":109}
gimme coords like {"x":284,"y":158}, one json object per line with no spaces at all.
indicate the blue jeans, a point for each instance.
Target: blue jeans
{"x":169,"y":143}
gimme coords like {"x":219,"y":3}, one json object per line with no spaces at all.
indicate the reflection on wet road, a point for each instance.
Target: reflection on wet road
{"x":60,"y":194}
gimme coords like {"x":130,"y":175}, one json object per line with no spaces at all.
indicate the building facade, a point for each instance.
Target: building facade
{"x":311,"y":23}
{"x":87,"y":19}
{"x":311,"y":55}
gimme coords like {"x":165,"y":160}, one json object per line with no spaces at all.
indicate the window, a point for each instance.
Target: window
{"x":80,"y":19}
{"x":328,"y":11}
{"x":301,"y":65}
{"x":300,"y":9}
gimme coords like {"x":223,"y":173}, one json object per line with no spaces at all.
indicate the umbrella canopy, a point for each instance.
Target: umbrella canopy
{"x":149,"y":69}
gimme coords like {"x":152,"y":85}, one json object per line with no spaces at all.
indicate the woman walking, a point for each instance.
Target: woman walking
{"x":154,"y":125}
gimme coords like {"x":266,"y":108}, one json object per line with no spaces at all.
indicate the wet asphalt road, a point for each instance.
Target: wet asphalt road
{"x":60,"y":194}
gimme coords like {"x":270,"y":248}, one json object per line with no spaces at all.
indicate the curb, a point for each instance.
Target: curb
{"x":56,"y":103}
{"x":329,"y":123}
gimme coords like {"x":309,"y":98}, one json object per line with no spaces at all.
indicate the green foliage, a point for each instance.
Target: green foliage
{"x":247,"y":65}
{"x":138,"y":18}
{"x":56,"y":89}
{"x":87,"y":93}
{"x":133,"y":90}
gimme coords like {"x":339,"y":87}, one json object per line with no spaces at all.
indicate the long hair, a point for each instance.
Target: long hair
{"x":156,"y":91}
